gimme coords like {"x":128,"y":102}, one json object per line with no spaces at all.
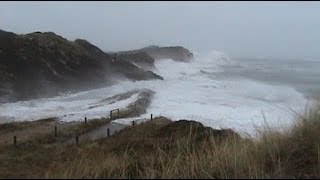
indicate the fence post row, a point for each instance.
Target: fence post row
{"x":77,"y":137}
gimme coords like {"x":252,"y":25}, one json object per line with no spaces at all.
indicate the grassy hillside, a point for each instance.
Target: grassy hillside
{"x":164,"y":149}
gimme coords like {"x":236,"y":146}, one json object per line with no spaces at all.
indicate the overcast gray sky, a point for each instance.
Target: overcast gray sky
{"x":277,"y":29}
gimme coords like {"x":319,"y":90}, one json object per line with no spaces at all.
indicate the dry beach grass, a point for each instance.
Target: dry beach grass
{"x":164,"y":149}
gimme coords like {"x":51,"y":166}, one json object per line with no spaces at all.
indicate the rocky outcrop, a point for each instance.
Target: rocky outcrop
{"x":139,"y":58}
{"x":44,"y":64}
{"x":176,"y":53}
{"x":146,"y":57}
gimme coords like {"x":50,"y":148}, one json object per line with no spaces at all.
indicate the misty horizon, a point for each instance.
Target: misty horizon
{"x":239,"y":29}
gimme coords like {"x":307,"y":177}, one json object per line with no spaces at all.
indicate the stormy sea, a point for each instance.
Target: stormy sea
{"x":243,"y":94}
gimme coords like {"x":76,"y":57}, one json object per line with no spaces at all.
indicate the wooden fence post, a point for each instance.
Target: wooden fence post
{"x":55,"y":131}
{"x":15,"y":140}
{"x":132,"y":123}
{"x":151,"y":117}
{"x":108,"y":132}
{"x":77,"y":140}
{"x":85,"y":120}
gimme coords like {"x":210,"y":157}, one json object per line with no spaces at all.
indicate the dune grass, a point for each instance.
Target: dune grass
{"x":164,"y":149}
{"x":290,"y":154}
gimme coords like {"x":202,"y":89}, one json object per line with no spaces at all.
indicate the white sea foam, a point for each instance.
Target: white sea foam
{"x":70,"y":108}
{"x":189,"y":91}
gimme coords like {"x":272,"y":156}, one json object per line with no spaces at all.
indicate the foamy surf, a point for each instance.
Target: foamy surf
{"x":188,"y":91}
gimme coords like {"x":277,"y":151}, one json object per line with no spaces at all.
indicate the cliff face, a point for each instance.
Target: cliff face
{"x":45,"y":64}
{"x":146,"y":57}
{"x":139,"y":58}
{"x":176,"y":53}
